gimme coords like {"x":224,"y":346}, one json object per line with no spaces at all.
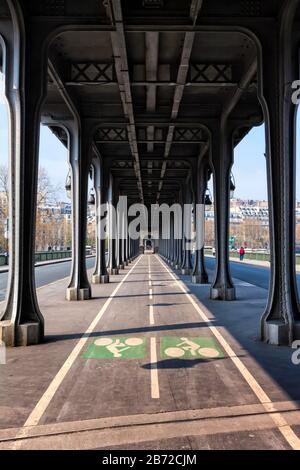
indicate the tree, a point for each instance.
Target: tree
{"x":49,"y":225}
{"x":46,"y":192}
{"x":4,"y":180}
{"x":4,"y":191}
{"x":49,"y":221}
{"x":209,"y":232}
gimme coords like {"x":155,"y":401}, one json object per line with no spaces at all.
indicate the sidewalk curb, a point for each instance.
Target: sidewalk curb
{"x":259,"y":264}
{"x":45,"y":263}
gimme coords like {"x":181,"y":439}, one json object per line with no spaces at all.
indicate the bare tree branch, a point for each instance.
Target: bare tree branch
{"x":4,"y":180}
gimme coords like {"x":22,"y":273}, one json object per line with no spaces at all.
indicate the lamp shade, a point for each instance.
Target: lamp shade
{"x":91,"y":199}
{"x":68,"y":185}
{"x":232,"y":187}
{"x":208,"y":201}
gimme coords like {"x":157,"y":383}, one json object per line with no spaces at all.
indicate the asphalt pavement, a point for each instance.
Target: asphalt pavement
{"x":257,"y":275}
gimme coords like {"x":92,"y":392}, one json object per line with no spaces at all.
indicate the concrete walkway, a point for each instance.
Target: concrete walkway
{"x":145,"y":364}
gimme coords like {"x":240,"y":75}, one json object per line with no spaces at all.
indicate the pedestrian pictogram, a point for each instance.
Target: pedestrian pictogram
{"x":173,"y":347}
{"x":116,"y":348}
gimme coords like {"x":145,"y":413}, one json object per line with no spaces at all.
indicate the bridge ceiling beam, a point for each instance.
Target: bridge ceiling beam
{"x":243,"y":86}
{"x":151,"y":59}
{"x":96,"y":74}
{"x":192,"y":135}
{"x":174,"y":161}
{"x":181,"y":81}
{"x":122,"y":72}
{"x":131,"y":179}
{"x":188,"y":122}
{"x":69,"y":100}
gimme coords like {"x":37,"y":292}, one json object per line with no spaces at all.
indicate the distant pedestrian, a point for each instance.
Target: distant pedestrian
{"x":242,"y":253}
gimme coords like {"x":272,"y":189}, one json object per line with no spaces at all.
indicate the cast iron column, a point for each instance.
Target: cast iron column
{"x":280,"y":323}
{"x":172,"y":240}
{"x":221,"y":160}
{"x":186,"y":238}
{"x":79,"y":160}
{"x":120,"y":232}
{"x":100,"y":275}
{"x":113,"y":267}
{"x":178,"y":262}
{"x":199,"y":275}
{"x":126,"y":256}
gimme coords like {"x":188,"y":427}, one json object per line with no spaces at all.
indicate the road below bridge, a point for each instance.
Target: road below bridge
{"x":150,"y":363}
{"x":256,"y":275}
{"x":46,"y":274}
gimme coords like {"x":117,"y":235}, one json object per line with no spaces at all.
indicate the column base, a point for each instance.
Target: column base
{"x":296,"y":330}
{"x":186,"y":272}
{"x":100,"y":278}
{"x":7,"y":333}
{"x":121,"y":266}
{"x":73,"y":293}
{"x":113,"y":271}
{"x":221,"y":293}
{"x":276,"y":333}
{"x":199,"y":279}
{"x":25,"y":334}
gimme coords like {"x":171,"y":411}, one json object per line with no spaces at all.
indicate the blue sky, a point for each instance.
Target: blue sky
{"x":53,"y":155}
{"x":249,"y":163}
{"x":249,"y":167}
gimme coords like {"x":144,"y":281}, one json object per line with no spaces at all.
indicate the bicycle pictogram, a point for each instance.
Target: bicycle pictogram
{"x":190,"y":348}
{"x":116,"y":348}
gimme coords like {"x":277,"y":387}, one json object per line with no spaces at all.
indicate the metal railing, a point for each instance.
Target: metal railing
{"x":257,"y":256}
{"x":3,"y":260}
{"x":52,"y":255}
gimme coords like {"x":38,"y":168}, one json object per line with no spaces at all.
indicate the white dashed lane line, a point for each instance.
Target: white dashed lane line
{"x":153,"y":343}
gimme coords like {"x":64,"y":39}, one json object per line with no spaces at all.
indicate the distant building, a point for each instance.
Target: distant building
{"x":249,"y":223}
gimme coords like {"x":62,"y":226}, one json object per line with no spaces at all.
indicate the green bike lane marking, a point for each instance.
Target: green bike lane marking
{"x":171,"y":347}
{"x":117,"y":348}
